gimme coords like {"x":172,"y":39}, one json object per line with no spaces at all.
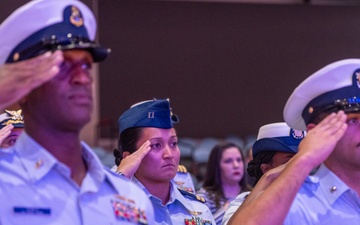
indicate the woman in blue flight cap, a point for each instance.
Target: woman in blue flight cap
{"x":149,"y":155}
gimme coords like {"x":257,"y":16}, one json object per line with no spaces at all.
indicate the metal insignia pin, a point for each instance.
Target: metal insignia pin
{"x":333,"y":189}
{"x":39,"y":163}
{"x":193,"y":213}
{"x":76,"y":17}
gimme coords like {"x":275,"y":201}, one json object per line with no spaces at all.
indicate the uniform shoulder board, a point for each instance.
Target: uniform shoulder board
{"x":182,"y":169}
{"x":192,"y":196}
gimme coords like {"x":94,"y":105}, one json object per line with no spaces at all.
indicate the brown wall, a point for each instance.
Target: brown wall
{"x":227,"y":68}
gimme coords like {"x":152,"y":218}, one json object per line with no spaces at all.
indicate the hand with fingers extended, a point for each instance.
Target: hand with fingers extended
{"x":281,"y":184}
{"x":19,"y":78}
{"x":5,"y":132}
{"x":130,"y":162}
{"x":322,"y":138}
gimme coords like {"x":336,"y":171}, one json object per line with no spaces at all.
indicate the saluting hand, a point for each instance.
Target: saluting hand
{"x":5,"y":132}
{"x":130,"y":163}
{"x":19,"y":78}
{"x":321,"y":140}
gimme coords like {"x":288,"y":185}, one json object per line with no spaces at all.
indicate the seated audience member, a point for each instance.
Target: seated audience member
{"x":276,"y":144}
{"x":11,"y":126}
{"x":149,"y":155}
{"x":49,"y":176}
{"x":224,"y":178}
{"x":327,"y":105}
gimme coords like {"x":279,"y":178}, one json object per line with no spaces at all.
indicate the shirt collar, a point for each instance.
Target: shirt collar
{"x":331,"y":185}
{"x":138,"y":183}
{"x":38,"y":162}
{"x":175,"y":194}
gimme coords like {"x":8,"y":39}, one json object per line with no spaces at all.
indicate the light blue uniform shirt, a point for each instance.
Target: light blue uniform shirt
{"x":35,"y":188}
{"x":179,"y":208}
{"x":324,"y":199}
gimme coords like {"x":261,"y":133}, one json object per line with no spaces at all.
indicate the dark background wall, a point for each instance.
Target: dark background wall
{"x":228,"y":68}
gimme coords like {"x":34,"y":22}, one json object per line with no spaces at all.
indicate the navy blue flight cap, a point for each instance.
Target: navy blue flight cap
{"x":48,"y":25}
{"x":334,"y":87}
{"x":12,"y":117}
{"x":278,"y":137}
{"x":151,"y":113}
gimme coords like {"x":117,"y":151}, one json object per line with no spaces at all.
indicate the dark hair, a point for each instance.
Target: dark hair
{"x":254,"y":169}
{"x":127,"y":142}
{"x":212,"y":180}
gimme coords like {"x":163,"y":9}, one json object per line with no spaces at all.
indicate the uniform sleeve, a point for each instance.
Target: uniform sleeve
{"x":233,"y":206}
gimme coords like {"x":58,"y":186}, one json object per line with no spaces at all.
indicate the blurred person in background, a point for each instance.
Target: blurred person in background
{"x":276,"y":144}
{"x":11,"y":126}
{"x":224,"y":178}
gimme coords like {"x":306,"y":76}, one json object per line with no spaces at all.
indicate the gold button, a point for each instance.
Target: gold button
{"x":16,"y":56}
{"x":311,"y":110}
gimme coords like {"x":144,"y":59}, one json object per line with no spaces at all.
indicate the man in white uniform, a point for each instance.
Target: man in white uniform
{"x":327,"y":104}
{"x":49,"y":176}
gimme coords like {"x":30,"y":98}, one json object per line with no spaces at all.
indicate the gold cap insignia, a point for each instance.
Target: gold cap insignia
{"x":297,"y":134}
{"x":13,"y":117}
{"x":76,"y":17}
